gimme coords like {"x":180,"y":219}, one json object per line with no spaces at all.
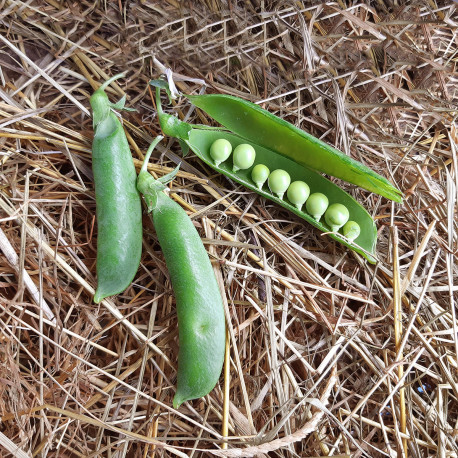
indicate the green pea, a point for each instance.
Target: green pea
{"x":336,"y":216}
{"x":317,"y":204}
{"x":260,"y":174}
{"x":298,"y":193}
{"x":351,"y":230}
{"x":200,"y":310}
{"x":279,"y":181}
{"x":244,"y":156}
{"x":220,"y":150}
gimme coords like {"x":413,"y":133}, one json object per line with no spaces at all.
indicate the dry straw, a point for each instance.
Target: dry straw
{"x":327,"y":355}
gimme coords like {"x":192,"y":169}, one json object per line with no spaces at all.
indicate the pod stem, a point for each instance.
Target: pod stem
{"x":149,"y":152}
{"x":147,"y":185}
{"x":158,"y":102}
{"x":110,"y":80}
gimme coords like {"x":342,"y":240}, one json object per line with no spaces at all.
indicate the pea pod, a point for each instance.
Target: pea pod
{"x":201,"y":321}
{"x":118,"y":203}
{"x":200,"y":139}
{"x":265,"y":129}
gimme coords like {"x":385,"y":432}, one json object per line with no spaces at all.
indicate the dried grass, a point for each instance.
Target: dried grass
{"x":329,"y":356}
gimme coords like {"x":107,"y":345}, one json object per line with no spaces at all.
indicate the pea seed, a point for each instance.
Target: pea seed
{"x":351,"y":230}
{"x":244,"y":156}
{"x":220,"y":150}
{"x":316,"y":205}
{"x":279,"y":181}
{"x":259,"y":175}
{"x":298,"y":193}
{"x":336,"y":216}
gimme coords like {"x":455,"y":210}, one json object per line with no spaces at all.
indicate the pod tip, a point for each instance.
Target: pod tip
{"x":177,"y":401}
{"x":99,"y":296}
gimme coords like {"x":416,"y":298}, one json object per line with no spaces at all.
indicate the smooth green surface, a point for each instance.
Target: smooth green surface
{"x":243,"y":157}
{"x":220,"y":150}
{"x":200,"y":140}
{"x":336,"y":216}
{"x":278,"y":182}
{"x":317,"y":204}
{"x":351,"y":230}
{"x":201,"y":320}
{"x":265,"y":129}
{"x":259,"y":174}
{"x":118,"y":203}
{"x":298,"y":193}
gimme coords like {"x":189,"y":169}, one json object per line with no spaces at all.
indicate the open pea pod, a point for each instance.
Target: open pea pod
{"x":265,"y":129}
{"x":200,"y":141}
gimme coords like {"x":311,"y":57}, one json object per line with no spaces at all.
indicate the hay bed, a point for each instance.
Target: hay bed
{"x":329,"y":356}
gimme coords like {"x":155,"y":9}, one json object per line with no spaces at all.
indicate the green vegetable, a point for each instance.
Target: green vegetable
{"x":220,"y":150}
{"x":201,"y":320}
{"x":265,"y":129}
{"x":317,"y":204}
{"x":298,"y":193}
{"x":118,"y":203}
{"x":351,"y":230}
{"x":200,"y":138}
{"x":244,"y":156}
{"x":336,"y":216}
{"x":279,"y":181}
{"x":260,"y":174}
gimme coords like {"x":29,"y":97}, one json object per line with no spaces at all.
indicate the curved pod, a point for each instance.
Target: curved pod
{"x":200,"y":140}
{"x":201,"y":320}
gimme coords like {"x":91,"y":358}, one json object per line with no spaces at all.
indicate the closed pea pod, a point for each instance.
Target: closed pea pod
{"x":201,"y":320}
{"x":118,"y":203}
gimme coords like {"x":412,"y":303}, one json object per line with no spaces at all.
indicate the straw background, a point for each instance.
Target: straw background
{"x":329,"y":355}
